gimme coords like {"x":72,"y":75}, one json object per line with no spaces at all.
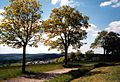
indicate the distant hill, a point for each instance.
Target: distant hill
{"x":4,"y":58}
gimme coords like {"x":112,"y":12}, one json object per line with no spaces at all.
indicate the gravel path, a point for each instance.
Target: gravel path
{"x":40,"y":77}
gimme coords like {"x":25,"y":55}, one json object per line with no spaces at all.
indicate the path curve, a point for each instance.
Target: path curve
{"x":40,"y":77}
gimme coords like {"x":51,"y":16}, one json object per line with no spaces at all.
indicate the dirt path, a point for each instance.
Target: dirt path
{"x":40,"y":77}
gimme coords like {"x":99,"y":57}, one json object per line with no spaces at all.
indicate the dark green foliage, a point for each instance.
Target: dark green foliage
{"x":59,"y":60}
{"x":72,"y":65}
{"x":109,"y":41}
{"x":112,"y":43}
{"x":72,"y":57}
{"x":89,"y":52}
{"x":88,"y":55}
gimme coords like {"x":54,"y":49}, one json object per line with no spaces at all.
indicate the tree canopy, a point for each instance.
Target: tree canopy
{"x":64,"y":29}
{"x":110,"y":41}
{"x":20,"y":26}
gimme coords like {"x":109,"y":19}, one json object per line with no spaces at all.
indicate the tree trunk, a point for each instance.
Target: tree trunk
{"x":66,"y":50}
{"x":24,"y":59}
{"x":104,"y":51}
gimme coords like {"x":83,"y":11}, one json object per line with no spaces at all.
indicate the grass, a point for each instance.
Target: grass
{"x":102,"y":74}
{"x":15,"y":71}
{"x":9,"y":72}
{"x":94,"y":72}
{"x":84,"y":69}
{"x":43,"y":67}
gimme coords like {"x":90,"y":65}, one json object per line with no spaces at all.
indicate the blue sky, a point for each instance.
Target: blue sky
{"x":103,"y":14}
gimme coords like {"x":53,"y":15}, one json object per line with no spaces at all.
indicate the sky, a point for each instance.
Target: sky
{"x":103,"y":15}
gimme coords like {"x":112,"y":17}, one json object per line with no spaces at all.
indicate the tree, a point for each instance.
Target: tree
{"x":88,"y":54}
{"x":78,"y":55}
{"x":20,"y":26}
{"x":100,"y":41}
{"x":108,"y":40}
{"x":112,"y":42}
{"x":64,"y":29}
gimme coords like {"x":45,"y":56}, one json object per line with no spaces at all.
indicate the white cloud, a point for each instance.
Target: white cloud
{"x":30,"y":50}
{"x":1,"y":17}
{"x":92,"y":30}
{"x":116,"y":5}
{"x":114,"y":26}
{"x":112,"y":3}
{"x":54,"y":1}
{"x":71,"y":3}
{"x":2,"y":10}
{"x":64,"y":2}
{"x":85,"y":48}
{"x":107,"y":3}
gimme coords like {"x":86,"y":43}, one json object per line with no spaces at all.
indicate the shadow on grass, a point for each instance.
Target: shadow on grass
{"x":95,"y":72}
{"x":82,"y":71}
{"x":72,"y":65}
{"x":67,"y":77}
{"x":46,"y":76}
{"x":100,"y":65}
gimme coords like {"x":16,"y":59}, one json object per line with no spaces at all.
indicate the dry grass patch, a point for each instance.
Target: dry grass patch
{"x":102,"y":74}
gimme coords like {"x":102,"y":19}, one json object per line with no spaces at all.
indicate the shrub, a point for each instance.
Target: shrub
{"x":59,"y":60}
{"x":88,"y":54}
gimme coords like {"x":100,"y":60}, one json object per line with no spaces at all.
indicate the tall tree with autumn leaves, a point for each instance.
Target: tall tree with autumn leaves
{"x":64,"y":29}
{"x":20,"y":26}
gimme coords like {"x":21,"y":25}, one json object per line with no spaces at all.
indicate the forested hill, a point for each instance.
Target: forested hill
{"x":18,"y":57}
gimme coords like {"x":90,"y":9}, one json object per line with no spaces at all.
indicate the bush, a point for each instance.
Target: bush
{"x":72,"y":57}
{"x":72,"y":65}
{"x":103,"y":64}
{"x":88,"y":55}
{"x":59,"y":60}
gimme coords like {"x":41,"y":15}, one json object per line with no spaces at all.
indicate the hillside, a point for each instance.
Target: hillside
{"x":102,"y":74}
{"x":13,"y":58}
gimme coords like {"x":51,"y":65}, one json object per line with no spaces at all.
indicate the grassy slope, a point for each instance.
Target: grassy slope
{"x":67,"y":77}
{"x":102,"y":74}
{"x":14,"y":71}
